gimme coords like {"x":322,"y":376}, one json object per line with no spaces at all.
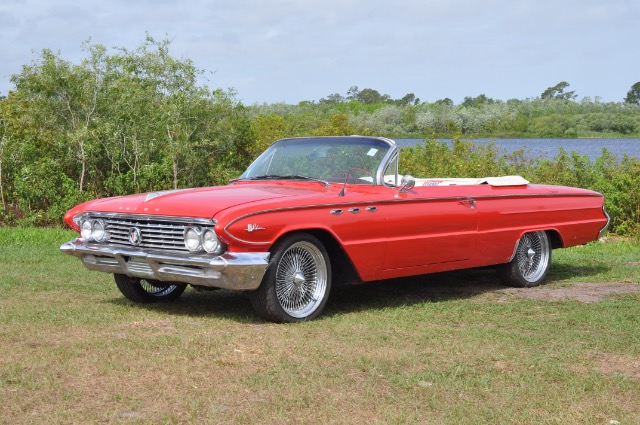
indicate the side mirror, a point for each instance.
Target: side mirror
{"x":407,"y":183}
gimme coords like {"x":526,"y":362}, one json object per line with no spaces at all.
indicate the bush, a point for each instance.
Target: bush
{"x":45,"y":194}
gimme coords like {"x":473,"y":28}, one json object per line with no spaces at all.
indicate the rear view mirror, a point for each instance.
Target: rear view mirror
{"x":407,"y":183}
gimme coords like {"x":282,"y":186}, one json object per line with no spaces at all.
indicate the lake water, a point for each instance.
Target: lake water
{"x":549,"y":147}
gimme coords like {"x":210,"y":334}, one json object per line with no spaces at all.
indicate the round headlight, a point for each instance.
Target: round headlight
{"x":210,"y":241}
{"x":192,"y":239}
{"x":85,"y":229}
{"x":99,"y":232}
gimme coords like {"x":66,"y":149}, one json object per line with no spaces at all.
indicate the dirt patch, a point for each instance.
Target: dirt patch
{"x":583,"y":292}
{"x":617,"y":364}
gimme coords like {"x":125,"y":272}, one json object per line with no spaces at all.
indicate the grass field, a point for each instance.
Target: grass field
{"x":444,"y":349}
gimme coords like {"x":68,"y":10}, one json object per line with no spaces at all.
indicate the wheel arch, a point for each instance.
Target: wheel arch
{"x":342,"y":269}
{"x":555,"y":239}
{"x":530,"y":262}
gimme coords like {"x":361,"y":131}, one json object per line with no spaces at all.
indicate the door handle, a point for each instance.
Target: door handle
{"x":470,"y":203}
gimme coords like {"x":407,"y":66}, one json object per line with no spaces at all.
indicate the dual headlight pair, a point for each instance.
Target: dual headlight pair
{"x":94,"y":230}
{"x":197,"y":239}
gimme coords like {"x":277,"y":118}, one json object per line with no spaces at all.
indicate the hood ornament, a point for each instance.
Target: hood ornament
{"x":153,"y":195}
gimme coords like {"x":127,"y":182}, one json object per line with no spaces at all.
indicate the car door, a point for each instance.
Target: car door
{"x":429,"y":225}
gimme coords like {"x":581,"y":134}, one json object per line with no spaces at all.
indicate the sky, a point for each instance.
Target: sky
{"x":272,"y":51}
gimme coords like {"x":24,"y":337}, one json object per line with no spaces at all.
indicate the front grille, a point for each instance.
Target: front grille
{"x":156,"y":233}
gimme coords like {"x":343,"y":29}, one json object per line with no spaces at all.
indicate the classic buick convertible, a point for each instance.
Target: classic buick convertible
{"x":312,"y":213}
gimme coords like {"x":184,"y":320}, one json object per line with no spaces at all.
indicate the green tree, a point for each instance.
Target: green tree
{"x":268,"y":128}
{"x":474,"y":102}
{"x":338,"y":126}
{"x":633,"y":95}
{"x":408,"y":99}
{"x":372,"y":96}
{"x":333,"y":98}
{"x":352,"y":93}
{"x":63,"y":98}
{"x":115,"y":123}
{"x":557,"y":92}
{"x":4,"y":141}
{"x":446,"y":102}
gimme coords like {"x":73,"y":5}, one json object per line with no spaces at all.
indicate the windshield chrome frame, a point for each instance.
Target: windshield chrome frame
{"x":379,"y":173}
{"x":391,"y":154}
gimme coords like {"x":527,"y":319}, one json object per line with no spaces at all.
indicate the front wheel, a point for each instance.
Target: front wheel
{"x":147,"y":290}
{"x":530,"y":263}
{"x":297,"y":282}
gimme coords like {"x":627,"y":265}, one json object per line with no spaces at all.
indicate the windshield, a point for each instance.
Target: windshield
{"x":331,"y":159}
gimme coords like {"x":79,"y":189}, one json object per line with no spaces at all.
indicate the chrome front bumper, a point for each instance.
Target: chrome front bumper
{"x":241,"y":271}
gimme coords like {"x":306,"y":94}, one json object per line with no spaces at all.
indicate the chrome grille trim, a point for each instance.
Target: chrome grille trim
{"x":158,"y":233}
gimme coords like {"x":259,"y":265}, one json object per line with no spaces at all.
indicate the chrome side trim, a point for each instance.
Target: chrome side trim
{"x":240,"y":271}
{"x":390,"y":201}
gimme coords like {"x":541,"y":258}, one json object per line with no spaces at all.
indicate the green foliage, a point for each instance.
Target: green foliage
{"x":117,"y":123}
{"x":633,"y":95}
{"x":462,"y":159}
{"x":476,"y":117}
{"x":477,"y":101}
{"x":557,"y":92}
{"x":46,"y":193}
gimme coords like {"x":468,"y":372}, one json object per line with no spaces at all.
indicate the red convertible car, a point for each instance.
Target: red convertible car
{"x":311,"y":213}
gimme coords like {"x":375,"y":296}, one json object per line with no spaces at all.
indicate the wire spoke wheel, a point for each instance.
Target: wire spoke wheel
{"x":301,"y":279}
{"x":157,"y":289}
{"x":297,"y":282}
{"x":532,"y":256}
{"x":530,"y":263}
{"x":147,"y":291}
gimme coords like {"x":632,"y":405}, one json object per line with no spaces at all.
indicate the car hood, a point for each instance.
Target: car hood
{"x":200,"y":203}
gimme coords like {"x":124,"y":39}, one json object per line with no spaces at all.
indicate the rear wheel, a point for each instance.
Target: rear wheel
{"x":297,"y":282}
{"x":147,"y":290}
{"x":530,"y":263}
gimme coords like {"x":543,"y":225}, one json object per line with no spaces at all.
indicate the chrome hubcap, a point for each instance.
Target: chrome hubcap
{"x":530,"y":254}
{"x":298,"y":279}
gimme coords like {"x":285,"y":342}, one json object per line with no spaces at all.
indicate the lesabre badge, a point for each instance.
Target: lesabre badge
{"x":253,"y":228}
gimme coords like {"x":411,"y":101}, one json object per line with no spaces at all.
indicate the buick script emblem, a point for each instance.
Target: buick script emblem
{"x":134,"y":236}
{"x":253,"y":227}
